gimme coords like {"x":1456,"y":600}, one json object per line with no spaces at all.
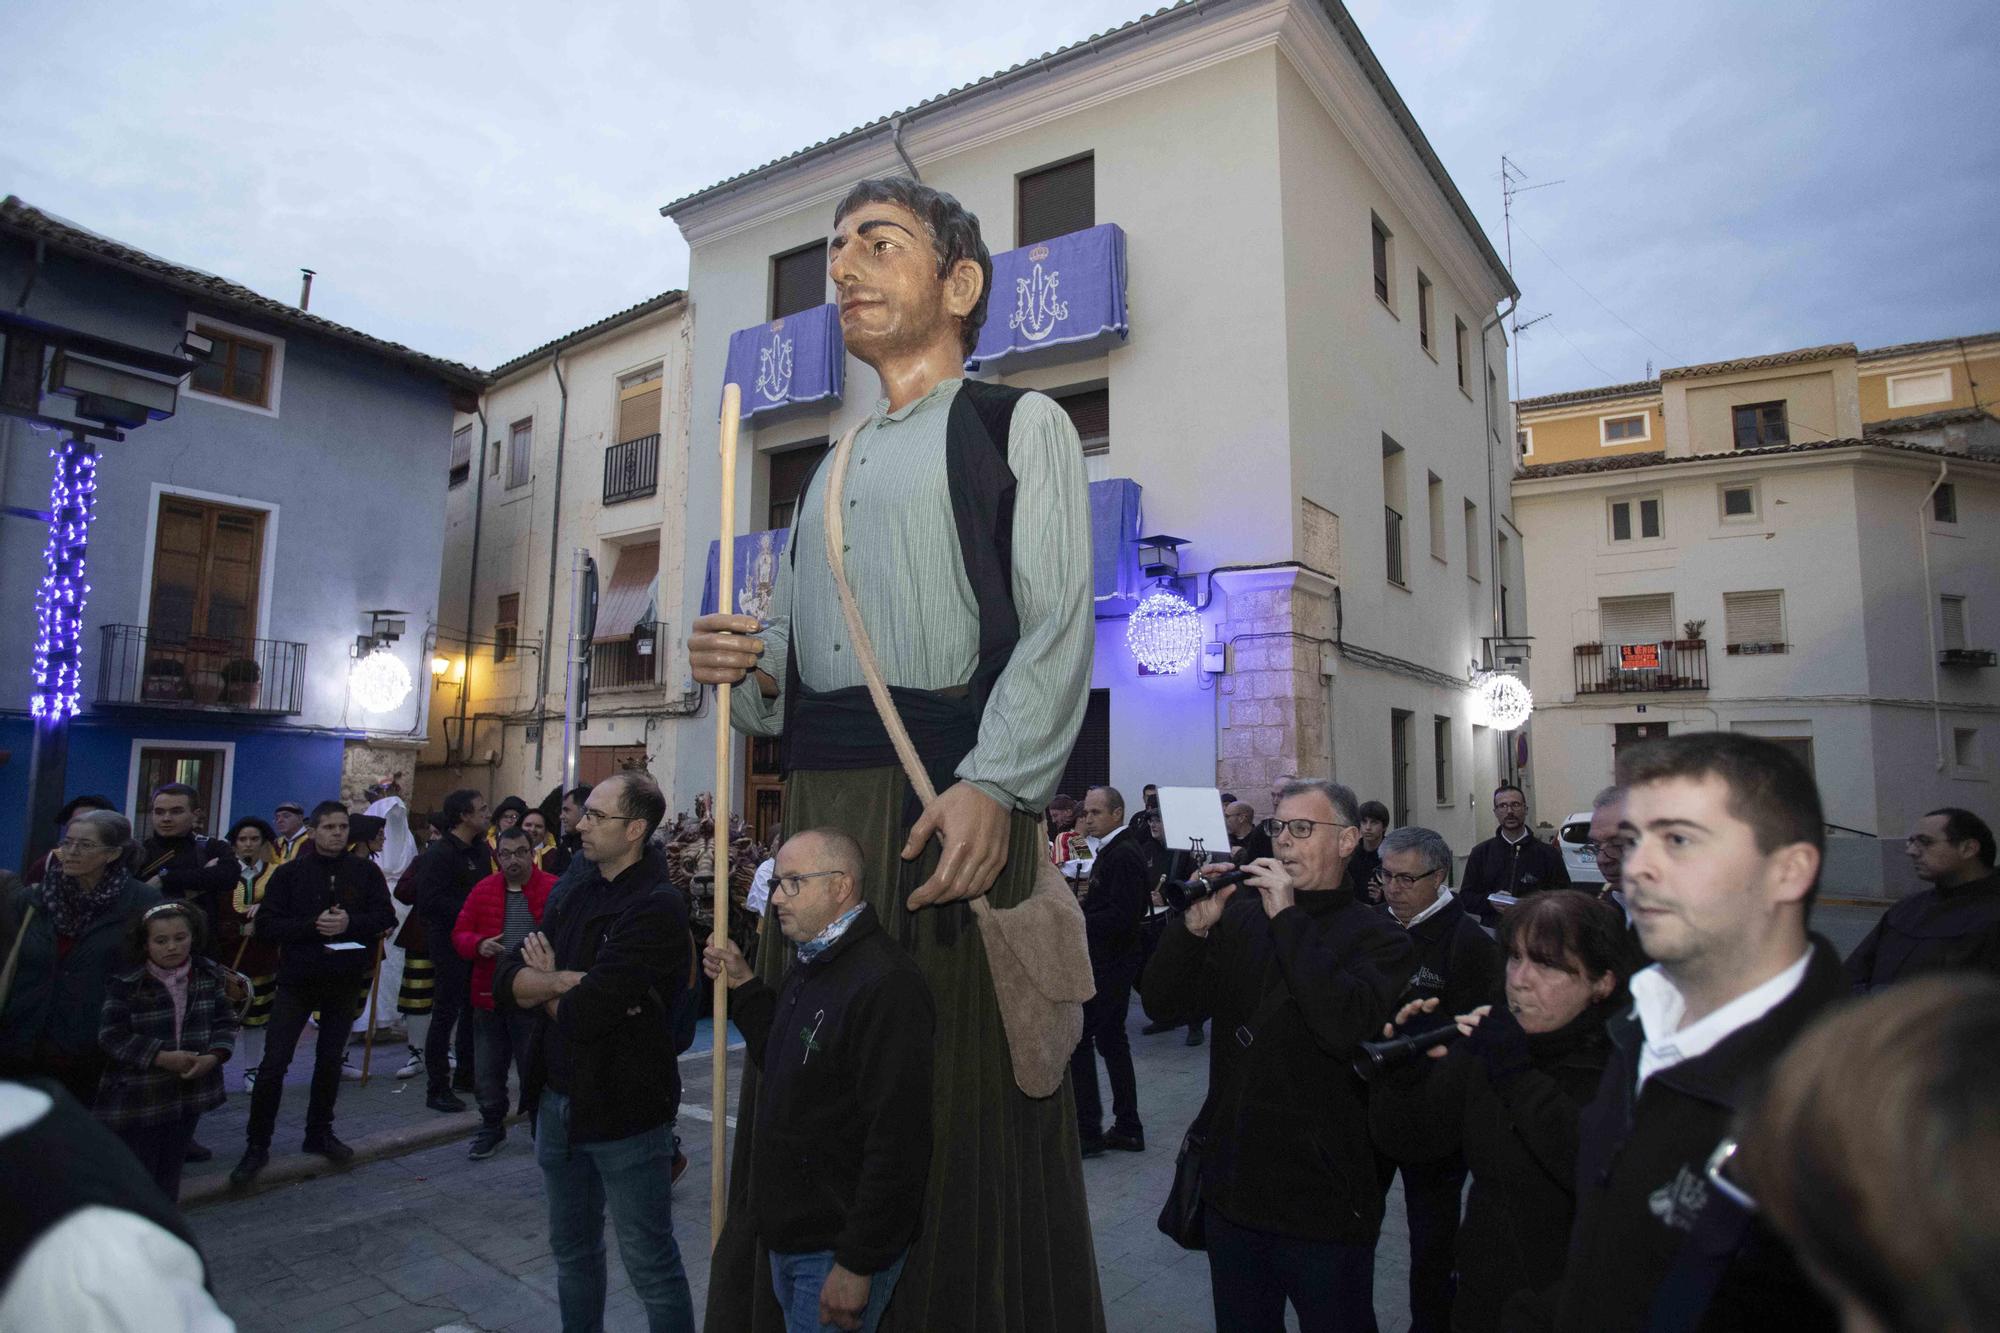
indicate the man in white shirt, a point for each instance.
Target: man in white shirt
{"x":1724,"y":837}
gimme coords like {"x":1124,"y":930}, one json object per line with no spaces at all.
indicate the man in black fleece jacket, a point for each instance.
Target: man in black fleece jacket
{"x":844,"y":1048}
{"x":1513,"y":861}
{"x":326,"y":910}
{"x":1297,"y":974}
{"x":441,"y":879}
{"x":1114,"y":908}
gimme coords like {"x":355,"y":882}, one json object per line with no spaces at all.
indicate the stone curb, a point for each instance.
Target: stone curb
{"x":291,"y":1168}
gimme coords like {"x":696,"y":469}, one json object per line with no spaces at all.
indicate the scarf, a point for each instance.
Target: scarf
{"x":176,"y":982}
{"x":823,"y":941}
{"x":72,"y":908}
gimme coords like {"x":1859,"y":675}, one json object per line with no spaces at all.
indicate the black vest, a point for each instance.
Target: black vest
{"x":66,"y":1162}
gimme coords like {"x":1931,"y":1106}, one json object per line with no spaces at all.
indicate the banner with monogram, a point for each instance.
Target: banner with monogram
{"x":756,"y":572}
{"x":1115,"y":517}
{"x":798,"y":359}
{"x":1067,"y":292}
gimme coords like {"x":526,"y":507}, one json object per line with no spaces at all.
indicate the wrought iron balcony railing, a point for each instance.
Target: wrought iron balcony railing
{"x":629,"y":664}
{"x":1642,"y":668}
{"x":632,"y":469}
{"x":141,"y":668}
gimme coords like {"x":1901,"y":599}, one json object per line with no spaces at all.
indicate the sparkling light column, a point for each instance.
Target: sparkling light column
{"x":59,"y":601}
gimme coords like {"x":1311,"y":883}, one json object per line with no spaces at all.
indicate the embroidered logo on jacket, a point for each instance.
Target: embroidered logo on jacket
{"x":1680,"y":1201}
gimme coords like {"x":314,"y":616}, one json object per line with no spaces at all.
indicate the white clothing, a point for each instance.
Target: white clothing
{"x":1445,"y":895}
{"x":759,"y":896}
{"x":1661,"y":1006}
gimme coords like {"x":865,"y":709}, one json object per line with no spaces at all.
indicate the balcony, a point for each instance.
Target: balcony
{"x":629,"y":664}
{"x":632,"y":469}
{"x":1642,"y":668}
{"x":137,"y":668}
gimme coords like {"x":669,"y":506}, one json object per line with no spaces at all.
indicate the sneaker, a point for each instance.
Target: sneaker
{"x":196,"y":1153}
{"x":245,"y":1171}
{"x":348,"y":1069}
{"x":487,"y":1142}
{"x":324,"y":1144}
{"x":412,"y":1066}
{"x":445,"y":1102}
{"x":250,"y":1080}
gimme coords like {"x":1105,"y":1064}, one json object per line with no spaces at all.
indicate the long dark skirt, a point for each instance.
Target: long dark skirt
{"x":1005,"y":1241}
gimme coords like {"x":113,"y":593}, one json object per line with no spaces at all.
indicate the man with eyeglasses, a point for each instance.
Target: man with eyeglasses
{"x":843,"y":1043}
{"x":1952,"y":925}
{"x":600,"y":977}
{"x":498,"y":914}
{"x":1297,"y":974}
{"x":1607,"y":846}
{"x":1513,"y":861}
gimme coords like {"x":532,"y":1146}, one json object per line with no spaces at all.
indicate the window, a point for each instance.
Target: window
{"x":639,"y":405}
{"x":1623,"y":620}
{"x":1738,"y":501}
{"x":243,"y":369}
{"x":1379,"y":239}
{"x":1424,"y":313}
{"x":798,"y":280}
{"x":202,"y":767}
{"x":208,"y":562}
{"x":506,"y":627}
{"x":1944,"y":503}
{"x":1760,"y":424}
{"x":461,"y":454}
{"x":790,"y":471}
{"x":1458,"y":346}
{"x":1437,"y":518}
{"x":1754,"y":622}
{"x":1392,"y":511}
{"x":1525,"y":438}
{"x":1920,"y":387}
{"x":1475,"y":541}
{"x":1090,"y":758}
{"x":1399,"y":765}
{"x":520,"y":451}
{"x":1503,"y":565}
{"x":1441,"y":761}
{"x":1626,"y":429}
{"x":1090,"y":412}
{"x":1493,"y":400}
{"x":1952,"y":610}
{"x":1965,"y":750}
{"x":1635,"y":517}
{"x":1055,"y":201}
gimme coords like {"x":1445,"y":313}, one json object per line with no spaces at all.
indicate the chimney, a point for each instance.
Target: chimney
{"x":306,"y":290}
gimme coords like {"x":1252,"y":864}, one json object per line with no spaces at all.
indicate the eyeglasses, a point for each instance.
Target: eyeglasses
{"x":514,"y":853}
{"x":1402,"y":881}
{"x":791,"y":884}
{"x":1616,"y":847}
{"x":72,"y":845}
{"x":1300,"y":829}
{"x":1923,"y":840}
{"x":1510,"y":805}
{"x":593,"y":816}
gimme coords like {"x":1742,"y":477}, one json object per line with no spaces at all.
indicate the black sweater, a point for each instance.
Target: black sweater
{"x":1116,"y":904}
{"x":1286,"y":1121}
{"x":182,"y":867}
{"x":1456,"y":961}
{"x":844,"y":1110}
{"x":1519,"y":868}
{"x":1932,"y":931}
{"x":443,"y":875}
{"x":306,"y":886}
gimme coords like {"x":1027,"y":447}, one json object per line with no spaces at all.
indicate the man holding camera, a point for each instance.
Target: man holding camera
{"x":1297,"y":975}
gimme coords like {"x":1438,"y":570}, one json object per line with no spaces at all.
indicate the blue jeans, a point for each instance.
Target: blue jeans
{"x":635,"y":1176}
{"x":797,"y":1278}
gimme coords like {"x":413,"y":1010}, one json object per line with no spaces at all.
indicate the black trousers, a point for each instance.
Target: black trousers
{"x":1433,"y":1192}
{"x":500,"y":1039}
{"x":1104,"y":1035}
{"x":451,"y":1016}
{"x":1252,"y":1274}
{"x":161,"y":1149}
{"x":289,"y":1008}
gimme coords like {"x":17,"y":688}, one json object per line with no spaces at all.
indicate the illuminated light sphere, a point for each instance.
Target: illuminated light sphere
{"x":1504,"y":699}
{"x":1164,"y":633}
{"x":379,"y":681}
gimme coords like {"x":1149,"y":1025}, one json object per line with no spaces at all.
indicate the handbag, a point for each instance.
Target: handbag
{"x":1036,"y":950}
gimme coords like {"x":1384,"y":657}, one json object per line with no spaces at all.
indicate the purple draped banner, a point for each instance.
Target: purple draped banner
{"x":1061,"y":292}
{"x":798,"y":359}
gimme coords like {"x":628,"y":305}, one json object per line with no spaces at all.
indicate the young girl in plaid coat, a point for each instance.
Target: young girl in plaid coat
{"x":168,"y":1026}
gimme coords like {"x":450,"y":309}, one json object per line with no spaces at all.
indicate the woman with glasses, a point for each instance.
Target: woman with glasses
{"x":71,"y":939}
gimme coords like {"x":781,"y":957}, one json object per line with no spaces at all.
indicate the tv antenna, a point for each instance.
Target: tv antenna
{"x":1511,"y":178}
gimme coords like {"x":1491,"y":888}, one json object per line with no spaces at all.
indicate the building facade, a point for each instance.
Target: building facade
{"x":580,"y":444}
{"x":1298,"y":374}
{"x":240,"y":550}
{"x":1771,"y":562}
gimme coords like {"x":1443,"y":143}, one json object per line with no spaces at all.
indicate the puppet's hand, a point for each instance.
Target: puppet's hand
{"x":973,"y":827}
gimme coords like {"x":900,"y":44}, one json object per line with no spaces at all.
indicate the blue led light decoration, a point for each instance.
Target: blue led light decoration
{"x":1164,"y":633}
{"x":59,"y":601}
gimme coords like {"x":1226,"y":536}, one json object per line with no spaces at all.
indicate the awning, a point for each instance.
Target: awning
{"x":626,"y":598}
{"x":757,"y":556}
{"x":1066,"y":293}
{"x":798,"y":359}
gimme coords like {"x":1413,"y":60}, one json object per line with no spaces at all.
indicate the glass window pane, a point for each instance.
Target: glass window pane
{"x":1649,"y":518}
{"x":1621,"y":523}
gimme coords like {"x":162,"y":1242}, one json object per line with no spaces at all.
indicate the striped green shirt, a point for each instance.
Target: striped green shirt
{"x":903,"y":563}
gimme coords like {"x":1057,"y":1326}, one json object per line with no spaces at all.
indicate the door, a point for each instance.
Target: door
{"x":207,"y":562}
{"x":200,"y":769}
{"x":594,"y":763}
{"x":1624,"y":735}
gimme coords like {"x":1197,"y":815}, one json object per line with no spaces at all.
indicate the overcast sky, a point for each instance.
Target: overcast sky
{"x":474,"y":179}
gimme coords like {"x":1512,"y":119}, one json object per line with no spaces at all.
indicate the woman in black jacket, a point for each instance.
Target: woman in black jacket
{"x":1510,"y":1096}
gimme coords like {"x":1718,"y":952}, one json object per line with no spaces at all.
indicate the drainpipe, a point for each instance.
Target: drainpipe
{"x":1930,"y":610}
{"x":1492,"y":504}
{"x":896,"y":138}
{"x":555,"y":560}
{"x":472,"y":579}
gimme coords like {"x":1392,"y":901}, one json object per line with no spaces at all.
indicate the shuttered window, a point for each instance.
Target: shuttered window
{"x":1090,"y":412}
{"x":1056,"y":201}
{"x":207,"y":562}
{"x":1636,"y":619}
{"x":798,"y":280}
{"x":790,"y":471}
{"x":639,"y":405}
{"x":520,"y":450}
{"x":461,"y":454}
{"x":1090,"y":758}
{"x":1953,"y":611}
{"x":1754,"y":620}
{"x":506,"y":626}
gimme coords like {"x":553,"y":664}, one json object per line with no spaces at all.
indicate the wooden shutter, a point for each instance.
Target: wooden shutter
{"x":520,"y":448}
{"x":1754,"y":617}
{"x":1636,"y":619}
{"x":789,"y":471}
{"x":1090,"y":413}
{"x":461,"y":448}
{"x":798,"y":280}
{"x":1954,"y":621}
{"x":1090,"y":758}
{"x":178,"y":550}
{"x":639,"y":415}
{"x":207,"y":563}
{"x":1057,"y":201}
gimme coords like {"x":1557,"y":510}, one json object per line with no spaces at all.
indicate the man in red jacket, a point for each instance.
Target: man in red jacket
{"x":498,"y":914}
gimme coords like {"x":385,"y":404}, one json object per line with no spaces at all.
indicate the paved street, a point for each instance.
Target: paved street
{"x":430,"y":1240}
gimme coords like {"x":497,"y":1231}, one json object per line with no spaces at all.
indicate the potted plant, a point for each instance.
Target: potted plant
{"x":1590,"y":650}
{"x":1693,"y":630}
{"x":165,"y":680}
{"x":241,"y":678}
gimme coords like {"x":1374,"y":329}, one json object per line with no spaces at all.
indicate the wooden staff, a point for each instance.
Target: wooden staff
{"x":725,"y":600}
{"x":368,"y":1044}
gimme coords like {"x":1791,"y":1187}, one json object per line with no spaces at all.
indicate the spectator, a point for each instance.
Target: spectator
{"x":1954,"y":924}
{"x":758,"y":900}
{"x":537,"y":828}
{"x":1298,"y":974}
{"x":497,"y":916}
{"x":1875,"y":1150}
{"x":612,"y":946}
{"x":179,"y":862}
{"x":1727,"y":836}
{"x":326,"y":911}
{"x":1060,"y":820}
{"x":1510,"y":1098}
{"x":1607,"y":847}
{"x":1114,"y":907}
{"x":1367,"y":857}
{"x":70,"y":942}
{"x":167,"y":1027}
{"x":1247,"y":840}
{"x":40,"y":869}
{"x":444,"y":874}
{"x":557,"y":858}
{"x":419,"y":979}
{"x":1513,"y":861}
{"x":511,"y":811}
{"x":1459,"y":965}
{"x":858,"y":1118}
{"x":289,"y":819}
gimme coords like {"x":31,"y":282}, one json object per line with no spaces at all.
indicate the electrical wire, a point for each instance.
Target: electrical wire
{"x":1593,"y":296}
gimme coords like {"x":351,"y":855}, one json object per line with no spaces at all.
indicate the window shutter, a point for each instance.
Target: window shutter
{"x":1090,"y":758}
{"x":461,"y":448}
{"x":1090,"y":413}
{"x":790,"y":470}
{"x":639,"y":415}
{"x":1636,"y":619}
{"x":1754,"y":617}
{"x":798,"y":281}
{"x":1954,"y":621}
{"x":1057,"y":201}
